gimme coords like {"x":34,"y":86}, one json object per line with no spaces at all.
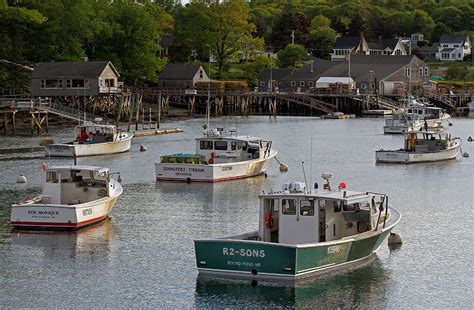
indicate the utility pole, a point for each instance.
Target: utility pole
{"x":292,"y":37}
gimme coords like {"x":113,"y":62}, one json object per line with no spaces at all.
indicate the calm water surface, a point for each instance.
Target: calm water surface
{"x":144,"y":256}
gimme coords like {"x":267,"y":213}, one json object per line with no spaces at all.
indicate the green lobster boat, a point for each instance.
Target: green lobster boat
{"x":302,"y":233}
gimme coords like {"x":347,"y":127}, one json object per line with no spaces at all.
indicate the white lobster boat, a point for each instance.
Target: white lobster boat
{"x":401,"y":122}
{"x":422,"y":147}
{"x":433,"y":115}
{"x":73,"y":197}
{"x":218,"y":158}
{"x":92,"y":140}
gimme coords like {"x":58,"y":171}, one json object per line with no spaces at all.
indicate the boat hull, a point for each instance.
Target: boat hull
{"x":180,"y":172}
{"x":68,"y":150}
{"x":404,"y":157}
{"x":400,"y":129}
{"x":48,"y":216}
{"x":257,"y":260}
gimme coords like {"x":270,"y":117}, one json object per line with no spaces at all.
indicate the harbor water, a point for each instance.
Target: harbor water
{"x":144,"y":255}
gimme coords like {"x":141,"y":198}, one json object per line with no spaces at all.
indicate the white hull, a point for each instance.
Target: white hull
{"x":400,"y":129}
{"x":404,"y":157}
{"x":63,"y":216}
{"x":68,"y":150}
{"x":212,"y":173}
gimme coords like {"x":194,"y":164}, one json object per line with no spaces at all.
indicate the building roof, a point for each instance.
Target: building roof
{"x":331,"y":80}
{"x":179,"y":71}
{"x":383,"y":44}
{"x":45,"y":70}
{"x":447,"y":50}
{"x":453,"y":39}
{"x":276,"y":74}
{"x":361,"y":66}
{"x":346,"y":43}
{"x":311,"y":71}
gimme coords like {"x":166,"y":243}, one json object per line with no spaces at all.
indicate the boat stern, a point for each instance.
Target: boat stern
{"x":59,"y":150}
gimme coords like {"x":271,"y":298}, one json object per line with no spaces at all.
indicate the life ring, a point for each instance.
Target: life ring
{"x":269,"y":220}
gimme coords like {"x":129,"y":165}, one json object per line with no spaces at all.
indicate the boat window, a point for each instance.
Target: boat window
{"x":244,"y":146}
{"x":351,"y":207}
{"x":420,"y":112}
{"x":51,"y":177}
{"x":220,"y":145}
{"x":206,"y":145}
{"x":233,"y":145}
{"x":307,"y":207}
{"x":288,"y":206}
{"x":337,"y":206}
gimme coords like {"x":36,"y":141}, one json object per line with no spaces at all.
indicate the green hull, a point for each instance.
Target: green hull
{"x":272,"y":261}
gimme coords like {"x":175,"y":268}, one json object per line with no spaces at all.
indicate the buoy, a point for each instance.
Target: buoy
{"x":142,"y":148}
{"x":450,"y":124}
{"x":469,"y":139}
{"x":21,"y":179}
{"x":342,"y":185}
{"x":283,"y":167}
{"x":395,"y":238}
{"x":465,"y":154}
{"x":43,"y":166}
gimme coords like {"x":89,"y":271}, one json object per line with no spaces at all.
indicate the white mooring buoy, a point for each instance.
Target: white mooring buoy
{"x":142,"y":148}
{"x":21,"y":179}
{"x":395,"y":238}
{"x":283,"y":167}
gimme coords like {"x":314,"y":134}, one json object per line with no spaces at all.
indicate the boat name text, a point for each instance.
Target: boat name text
{"x":43,"y":212}
{"x":243,"y":252}
{"x":177,"y":169}
{"x":227,"y":168}
{"x":87,"y":212}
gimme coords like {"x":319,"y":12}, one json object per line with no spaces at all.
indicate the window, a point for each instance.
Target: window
{"x":51,"y":177}
{"x":456,"y":45}
{"x":205,"y":145}
{"x":200,"y":74}
{"x":351,"y":207}
{"x":110,"y":82}
{"x":43,"y":84}
{"x":420,"y":71}
{"x":68,"y":83}
{"x":220,"y":145}
{"x":233,"y":146}
{"x":310,"y":83}
{"x":398,"y":52}
{"x":307,"y":207}
{"x":51,"y":84}
{"x":293,"y":83}
{"x":77,"y":83}
{"x":301,"y":83}
{"x":445,"y":55}
{"x":459,"y":55}
{"x":337,"y":206}
{"x":426,"y":71}
{"x":288,"y":206}
{"x":407,"y":71}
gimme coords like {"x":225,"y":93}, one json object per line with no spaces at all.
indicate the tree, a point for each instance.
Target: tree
{"x":230,"y":30}
{"x":319,"y":21}
{"x":439,"y":30}
{"x":288,"y":23}
{"x":253,"y":69}
{"x":323,"y":40}
{"x":292,"y":53}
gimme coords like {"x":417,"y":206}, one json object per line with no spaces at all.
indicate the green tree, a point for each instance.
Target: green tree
{"x":290,"y":22}
{"x":253,"y":69}
{"x":291,"y":54}
{"x":319,"y":21}
{"x":323,"y":40}
{"x":231,"y":31}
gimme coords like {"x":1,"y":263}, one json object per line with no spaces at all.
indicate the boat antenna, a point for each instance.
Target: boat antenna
{"x":208,"y":108}
{"x":311,"y":161}
{"x":304,"y":174}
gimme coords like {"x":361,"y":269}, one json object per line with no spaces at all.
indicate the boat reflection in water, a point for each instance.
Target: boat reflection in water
{"x":93,"y":240}
{"x":342,"y":290}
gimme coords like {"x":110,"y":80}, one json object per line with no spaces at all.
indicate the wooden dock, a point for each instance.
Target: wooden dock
{"x":156,"y":132}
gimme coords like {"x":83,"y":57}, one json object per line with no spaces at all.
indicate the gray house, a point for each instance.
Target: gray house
{"x":179,"y":75}
{"x":384,"y":74}
{"x":89,"y":78}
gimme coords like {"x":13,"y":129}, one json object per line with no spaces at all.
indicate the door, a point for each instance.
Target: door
{"x":270,"y":220}
{"x":298,"y":222}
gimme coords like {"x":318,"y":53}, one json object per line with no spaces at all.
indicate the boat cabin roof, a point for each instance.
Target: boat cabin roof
{"x":97,"y":170}
{"x":231,"y":138}
{"x":427,"y":135}
{"x":341,"y":195}
{"x":97,"y":126}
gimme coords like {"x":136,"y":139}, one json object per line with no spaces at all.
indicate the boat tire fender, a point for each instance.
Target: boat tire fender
{"x":362,"y":226}
{"x":269,"y":219}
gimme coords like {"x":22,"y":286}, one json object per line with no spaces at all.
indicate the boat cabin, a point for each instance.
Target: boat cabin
{"x":426,"y":142}
{"x":426,"y":111}
{"x":401,"y":119}
{"x":71,"y":185}
{"x":218,"y":148}
{"x":297,"y":216}
{"x":88,"y":134}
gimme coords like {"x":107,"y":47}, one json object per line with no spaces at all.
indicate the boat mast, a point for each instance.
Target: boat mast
{"x":208,"y":107}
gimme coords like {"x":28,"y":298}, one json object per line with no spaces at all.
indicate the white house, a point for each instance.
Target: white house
{"x":358,"y":45}
{"x":453,"y":47}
